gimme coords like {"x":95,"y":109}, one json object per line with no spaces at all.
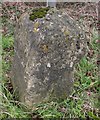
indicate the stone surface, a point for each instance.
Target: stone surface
{"x":46,"y":51}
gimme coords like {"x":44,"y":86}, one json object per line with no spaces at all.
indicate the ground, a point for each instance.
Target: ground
{"x":84,"y":101}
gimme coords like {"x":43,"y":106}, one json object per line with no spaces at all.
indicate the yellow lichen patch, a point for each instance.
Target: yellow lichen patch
{"x":66,"y":32}
{"x":45,"y":48}
{"x":66,"y":39}
{"x":35,"y":30}
{"x":36,"y":25}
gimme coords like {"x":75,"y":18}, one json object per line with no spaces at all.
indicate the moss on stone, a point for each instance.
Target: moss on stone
{"x":38,"y":13}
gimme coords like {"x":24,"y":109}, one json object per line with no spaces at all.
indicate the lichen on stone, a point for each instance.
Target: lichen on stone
{"x":38,"y":13}
{"x":35,"y":30}
{"x":36,"y":27}
{"x":67,"y":32}
{"x":36,"y":24}
{"x":45,"y":48}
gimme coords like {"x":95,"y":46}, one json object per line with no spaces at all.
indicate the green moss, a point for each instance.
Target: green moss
{"x":38,"y":13}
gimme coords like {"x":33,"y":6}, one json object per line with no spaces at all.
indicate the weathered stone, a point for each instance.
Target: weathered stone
{"x":46,"y":51}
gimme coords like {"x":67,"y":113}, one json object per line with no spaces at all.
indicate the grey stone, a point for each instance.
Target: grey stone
{"x":46,"y":51}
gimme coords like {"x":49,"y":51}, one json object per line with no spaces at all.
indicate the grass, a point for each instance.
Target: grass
{"x":9,"y":108}
{"x":84,"y":101}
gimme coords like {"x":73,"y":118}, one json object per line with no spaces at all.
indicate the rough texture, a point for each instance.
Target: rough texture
{"x":46,"y":51}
